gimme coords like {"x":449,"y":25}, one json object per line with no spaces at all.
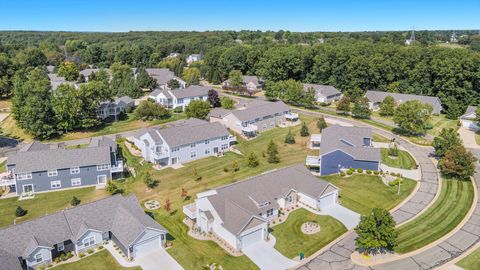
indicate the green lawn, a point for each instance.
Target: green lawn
{"x":439,"y":122}
{"x":444,"y":215}
{"x":291,"y":241}
{"x":361,"y":192}
{"x":379,"y":138}
{"x":471,"y":262}
{"x":99,"y":261}
{"x":403,"y":161}
{"x":45,"y":203}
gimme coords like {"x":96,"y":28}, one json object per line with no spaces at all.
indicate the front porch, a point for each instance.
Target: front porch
{"x":249,"y":131}
{"x":315,"y":140}
{"x":313,"y":161}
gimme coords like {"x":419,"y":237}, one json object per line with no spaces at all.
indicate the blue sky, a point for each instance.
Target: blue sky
{"x":293,"y":15}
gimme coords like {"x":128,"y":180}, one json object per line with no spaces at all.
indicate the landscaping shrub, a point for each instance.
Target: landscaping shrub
{"x":69,"y":255}
{"x":360,"y":170}
{"x":369,"y":171}
{"x":100,"y":247}
{"x":75,"y":201}
{"x":148,"y":110}
{"x":178,"y":110}
{"x":342,"y":174}
{"x":57,"y":260}
{"x":20,"y":212}
{"x":89,"y":251}
{"x":395,"y":182}
{"x":128,"y":109}
{"x":225,"y":169}
{"x":81,"y":255}
{"x":49,"y":265}
{"x":349,"y":172}
{"x":376,"y":172}
{"x":41,"y":267}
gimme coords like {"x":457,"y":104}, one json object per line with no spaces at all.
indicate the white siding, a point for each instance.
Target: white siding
{"x":307,"y":200}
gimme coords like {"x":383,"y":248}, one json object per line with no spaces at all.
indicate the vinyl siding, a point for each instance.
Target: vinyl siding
{"x":329,"y":163}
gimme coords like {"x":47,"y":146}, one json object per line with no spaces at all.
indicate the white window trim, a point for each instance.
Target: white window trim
{"x":53,"y":184}
{"x":75,"y":170}
{"x":75,"y":179}
{"x":193,"y":154}
{"x":87,"y":242}
{"x":37,"y":257}
{"x":60,"y":247}
{"x":103,"y":167}
{"x":24,"y":176}
{"x":52,"y":173}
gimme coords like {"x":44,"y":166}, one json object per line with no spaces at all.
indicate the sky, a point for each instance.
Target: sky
{"x":292,"y":15}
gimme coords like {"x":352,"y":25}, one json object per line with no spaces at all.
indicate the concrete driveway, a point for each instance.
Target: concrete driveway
{"x":468,"y":138}
{"x":266,"y":257}
{"x":348,"y":217}
{"x":158,"y":260}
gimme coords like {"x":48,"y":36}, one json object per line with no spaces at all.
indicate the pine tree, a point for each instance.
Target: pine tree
{"x":252,"y":160}
{"x":304,"y":132}
{"x":290,"y":137}
{"x":272,"y":151}
{"x":20,"y":212}
{"x":75,"y":201}
{"x":321,"y":123}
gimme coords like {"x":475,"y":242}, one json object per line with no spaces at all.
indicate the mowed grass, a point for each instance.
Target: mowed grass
{"x":214,"y":172}
{"x":45,"y":203}
{"x":444,"y":215}
{"x":291,"y":240}
{"x":10,"y":129}
{"x":403,"y":161}
{"x":379,"y":138}
{"x":101,"y":260}
{"x":471,"y":262}
{"x":361,"y":192}
{"x":440,"y":122}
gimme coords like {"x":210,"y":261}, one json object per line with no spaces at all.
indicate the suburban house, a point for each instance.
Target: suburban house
{"x":173,"y":55}
{"x":88,"y":72}
{"x":343,"y":148}
{"x":251,"y":83}
{"x":182,"y":141}
{"x":239,"y":213}
{"x":468,"y":118}
{"x":324,"y":93}
{"x":163,"y":76}
{"x":179,"y":97}
{"x":115,"y":108}
{"x":56,"y":81}
{"x":254,"y":117}
{"x":42,"y":167}
{"x":31,"y":244}
{"x":376,"y":97}
{"x":193,"y":58}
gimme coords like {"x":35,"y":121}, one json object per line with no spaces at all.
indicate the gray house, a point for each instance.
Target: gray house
{"x":343,"y":148}
{"x":40,"y":167}
{"x":163,"y":76}
{"x":324,"y":93}
{"x":37,"y":242}
{"x":376,"y":97}
{"x":115,"y":108}
{"x":252,"y":84}
{"x":180,"y":97}
{"x":468,"y":118}
{"x":183,"y":141}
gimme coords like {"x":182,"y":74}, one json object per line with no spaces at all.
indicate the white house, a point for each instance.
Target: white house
{"x":115,"y":108}
{"x":239,"y":213}
{"x":183,"y":141}
{"x":324,"y":93}
{"x":180,"y":97}
{"x":163,"y":76}
{"x":468,"y":118}
{"x":193,"y":58}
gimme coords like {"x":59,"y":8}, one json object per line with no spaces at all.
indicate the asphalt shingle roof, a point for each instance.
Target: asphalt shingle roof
{"x":470,"y":109}
{"x":259,"y":109}
{"x":379,"y":96}
{"x":324,"y":90}
{"x":191,"y":91}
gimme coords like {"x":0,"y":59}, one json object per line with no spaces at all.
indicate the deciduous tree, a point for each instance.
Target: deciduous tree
{"x":361,"y":108}
{"x":412,"y":116}
{"x":446,"y":140}
{"x":213,"y":98}
{"x":376,"y":232}
{"x":458,"y":163}
{"x":343,"y":105}
{"x":198,"y":109}
{"x":387,"y":107}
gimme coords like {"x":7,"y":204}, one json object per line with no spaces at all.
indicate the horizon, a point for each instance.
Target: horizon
{"x":109,"y":16}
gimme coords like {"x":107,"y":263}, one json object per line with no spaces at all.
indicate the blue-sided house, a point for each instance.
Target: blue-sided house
{"x":343,"y":148}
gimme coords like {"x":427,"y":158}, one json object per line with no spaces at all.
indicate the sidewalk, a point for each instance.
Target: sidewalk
{"x":412,"y":174}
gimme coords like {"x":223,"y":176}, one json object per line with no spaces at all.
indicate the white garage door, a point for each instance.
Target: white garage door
{"x":252,"y":238}
{"x":469,"y":124}
{"x":147,"y":247}
{"x":328,"y":200}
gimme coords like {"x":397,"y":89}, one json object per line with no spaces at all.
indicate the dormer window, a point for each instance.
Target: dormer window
{"x":367,"y":142}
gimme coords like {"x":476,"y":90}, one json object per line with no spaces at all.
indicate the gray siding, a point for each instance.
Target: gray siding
{"x":269,"y":122}
{"x":41,"y":180}
{"x":329,"y":163}
{"x":185,"y":151}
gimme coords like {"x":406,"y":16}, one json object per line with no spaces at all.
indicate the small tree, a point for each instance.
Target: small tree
{"x":20,"y":212}
{"x":75,"y":201}
{"x":198,"y":109}
{"x":191,"y":76}
{"x":167,"y":205}
{"x":235,"y":166}
{"x":290,"y":137}
{"x":195,"y":174}
{"x":387,"y":107}
{"x":227,"y":103}
{"x":361,"y":108}
{"x":393,"y":150}
{"x":235,"y":78}
{"x":376,"y":232}
{"x":321,"y":123}
{"x":446,"y":140}
{"x":412,"y":116}
{"x":272,"y":151}
{"x":184,"y":193}
{"x":213,"y":98}
{"x":149,"y":181}
{"x":343,"y":105}
{"x":68,"y":70}
{"x":252,"y":160}
{"x":173,"y":84}
{"x":144,"y":80}
{"x":457,"y":162}
{"x":112,"y":188}
{"x":149,"y":110}
{"x":304,"y":132}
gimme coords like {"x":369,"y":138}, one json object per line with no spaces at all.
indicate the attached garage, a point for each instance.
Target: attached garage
{"x":252,"y":238}
{"x":146,"y":247}
{"x":468,"y":124}
{"x":327,"y":200}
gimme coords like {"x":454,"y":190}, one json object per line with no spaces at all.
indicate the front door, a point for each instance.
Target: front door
{"x":215,"y":150}
{"x":102,"y":179}
{"x":174,"y":160}
{"x":28,"y":188}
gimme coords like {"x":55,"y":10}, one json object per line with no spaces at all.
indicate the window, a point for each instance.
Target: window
{"x":52,"y":173}
{"x":269,"y":212}
{"x":192,"y":145}
{"x":224,"y":138}
{"x":180,"y":101}
{"x":175,"y":149}
{"x":193,"y":154}
{"x":207,"y":141}
{"x":56,"y":184}
{"x":76,"y":182}
{"x":23,"y":176}
{"x":60,"y":247}
{"x":224,"y":146}
{"x":207,"y":151}
{"x":75,"y":170}
{"x":90,"y":241}
{"x":38,"y":258}
{"x":103,"y":167}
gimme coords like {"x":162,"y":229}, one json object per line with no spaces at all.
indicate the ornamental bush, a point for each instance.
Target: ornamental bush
{"x":360,"y":170}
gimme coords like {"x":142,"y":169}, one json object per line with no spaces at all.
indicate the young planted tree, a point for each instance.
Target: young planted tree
{"x":304,"y":132}
{"x":75,"y":201}
{"x":167,"y":205}
{"x":252,"y":160}
{"x":446,"y":140}
{"x":387,"y":107}
{"x":213,"y":98}
{"x":149,"y":181}
{"x":227,"y":103}
{"x":412,"y":116}
{"x":235,"y":78}
{"x":235,"y":166}
{"x":20,"y":212}
{"x":343,"y":105}
{"x":191,"y":76}
{"x":393,"y":150}
{"x":184,"y":193}
{"x":321,"y":123}
{"x":361,"y":108}
{"x":112,"y":188}
{"x":272,"y":152}
{"x":458,"y":163}
{"x":290,"y":137}
{"x":376,"y":232}
{"x":198,"y":109}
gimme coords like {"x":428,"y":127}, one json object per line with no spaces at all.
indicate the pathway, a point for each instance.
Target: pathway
{"x":266,"y":257}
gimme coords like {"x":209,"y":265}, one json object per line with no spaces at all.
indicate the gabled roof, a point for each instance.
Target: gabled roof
{"x":379,"y":96}
{"x":191,"y":91}
{"x":251,"y":79}
{"x":324,"y":90}
{"x":219,"y":112}
{"x":350,"y":141}
{"x":238,"y":203}
{"x":162,"y":75}
{"x":259,"y":109}
{"x":470,"y":110}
